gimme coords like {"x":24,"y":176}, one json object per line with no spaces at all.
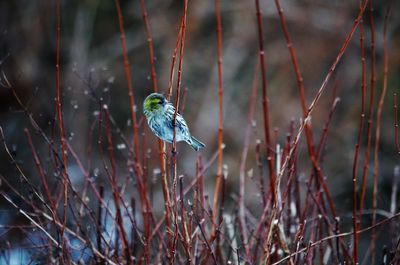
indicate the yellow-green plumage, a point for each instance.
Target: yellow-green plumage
{"x":151,"y":104}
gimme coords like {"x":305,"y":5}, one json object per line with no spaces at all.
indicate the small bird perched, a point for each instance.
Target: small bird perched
{"x":160,"y":117}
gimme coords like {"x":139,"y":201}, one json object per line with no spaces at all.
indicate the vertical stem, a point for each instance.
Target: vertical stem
{"x":184,"y":224}
{"x":134,"y":237}
{"x":359,"y":136}
{"x":178,"y":90}
{"x":265,"y":102}
{"x":61,"y":125}
{"x":116,"y":193}
{"x":377,"y":135}
{"x":369,"y":132}
{"x":174,"y":55}
{"x":218,"y":184}
{"x":42,"y":174}
{"x":371,"y":105}
{"x":150,"y":44}
{"x":128,"y":77}
{"x":221,"y":219}
{"x":99,"y":223}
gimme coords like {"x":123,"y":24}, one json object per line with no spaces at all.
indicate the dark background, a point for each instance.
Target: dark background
{"x":91,"y":66}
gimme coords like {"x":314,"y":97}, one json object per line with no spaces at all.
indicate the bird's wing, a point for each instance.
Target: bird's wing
{"x":181,"y":125}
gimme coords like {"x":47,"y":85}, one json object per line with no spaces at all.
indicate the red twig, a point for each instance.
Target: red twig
{"x":265,"y":101}
{"x":205,"y":239}
{"x":324,"y":135}
{"x":186,"y":240}
{"x":177,"y":100}
{"x":128,"y":77}
{"x":219,"y":180}
{"x":150,"y":44}
{"x":162,"y":147}
{"x":99,"y":222}
{"x":42,"y":174}
{"x":61,"y":125}
{"x":359,"y":135}
{"x":260,"y":173}
{"x":371,"y":106}
{"x":377,"y":132}
{"x":220,"y":219}
{"x":174,"y":55}
{"x":369,"y":136}
{"x":256,"y":239}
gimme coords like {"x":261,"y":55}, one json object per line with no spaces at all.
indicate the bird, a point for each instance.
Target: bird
{"x":160,"y":118}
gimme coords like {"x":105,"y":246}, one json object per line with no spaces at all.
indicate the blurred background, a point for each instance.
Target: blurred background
{"x":92,"y":68}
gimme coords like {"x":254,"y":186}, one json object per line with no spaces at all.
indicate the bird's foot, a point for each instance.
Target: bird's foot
{"x":174,"y":152}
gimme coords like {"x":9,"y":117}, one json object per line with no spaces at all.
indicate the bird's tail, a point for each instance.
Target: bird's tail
{"x":196,"y":144}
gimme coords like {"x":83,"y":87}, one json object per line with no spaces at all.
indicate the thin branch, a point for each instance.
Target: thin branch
{"x":61,"y":122}
{"x":219,"y":179}
{"x":377,"y":131}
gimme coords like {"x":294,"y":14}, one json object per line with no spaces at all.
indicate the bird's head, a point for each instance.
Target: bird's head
{"x":154,"y":103}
